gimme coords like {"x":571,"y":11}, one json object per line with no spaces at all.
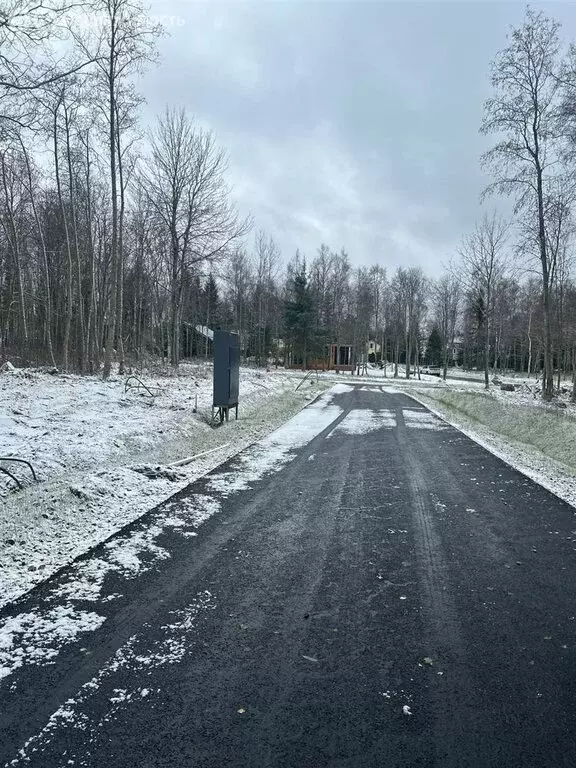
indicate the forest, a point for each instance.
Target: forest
{"x":118,"y":239}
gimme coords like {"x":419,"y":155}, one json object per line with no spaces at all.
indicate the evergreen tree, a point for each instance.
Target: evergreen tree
{"x":210,"y":304}
{"x":299,"y":318}
{"x":434,"y":347}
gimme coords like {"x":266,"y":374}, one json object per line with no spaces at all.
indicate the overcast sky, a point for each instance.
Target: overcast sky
{"x":349,"y":123}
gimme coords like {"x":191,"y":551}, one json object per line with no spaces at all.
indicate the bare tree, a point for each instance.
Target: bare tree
{"x":186,"y":187}
{"x":266,"y":263}
{"x":447,"y":299}
{"x":28,"y":61}
{"x":32,"y":186}
{"x":12,"y":220}
{"x":484,"y":260}
{"x":410,"y":285}
{"x":377,"y":277}
{"x":124,"y":42}
{"x":524,"y":111}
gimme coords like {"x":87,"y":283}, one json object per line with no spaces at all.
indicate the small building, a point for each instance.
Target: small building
{"x":336,"y":357}
{"x":342,"y":357}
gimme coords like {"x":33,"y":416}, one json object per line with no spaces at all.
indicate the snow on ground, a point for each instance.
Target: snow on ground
{"x":416,"y":419}
{"x":40,"y":635}
{"x":360,"y":421}
{"x":102,"y":453}
{"x":37,"y":637}
{"x":175,"y":642}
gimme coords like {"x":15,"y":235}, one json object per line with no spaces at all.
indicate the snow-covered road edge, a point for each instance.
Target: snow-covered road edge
{"x":550,"y":474}
{"x":47,"y":527}
{"x":36,"y":635}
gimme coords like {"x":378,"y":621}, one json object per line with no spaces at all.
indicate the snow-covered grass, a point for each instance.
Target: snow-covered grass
{"x":102,"y":454}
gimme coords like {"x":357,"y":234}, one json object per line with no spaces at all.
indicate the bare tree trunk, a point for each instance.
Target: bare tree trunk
{"x":113,"y":289}
{"x":487,"y":353}
{"x":48,"y":329}
{"x":174,"y":301}
{"x":14,"y":243}
{"x":548,"y":377}
{"x":408,"y":349}
{"x":92,"y":344}
{"x":120,"y":255}
{"x":383,"y":355}
{"x":529,"y":344}
{"x":69,"y":284}
{"x":573,"y":395}
{"x":80,"y":298}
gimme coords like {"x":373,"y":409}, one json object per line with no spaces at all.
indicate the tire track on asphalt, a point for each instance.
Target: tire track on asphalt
{"x":453,"y":693}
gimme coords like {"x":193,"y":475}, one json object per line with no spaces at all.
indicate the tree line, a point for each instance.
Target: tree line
{"x":118,"y":241}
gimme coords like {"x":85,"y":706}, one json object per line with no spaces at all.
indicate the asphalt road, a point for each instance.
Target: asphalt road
{"x":394,"y":598}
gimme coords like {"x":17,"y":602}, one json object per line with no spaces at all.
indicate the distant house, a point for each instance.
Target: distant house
{"x":373,"y":348}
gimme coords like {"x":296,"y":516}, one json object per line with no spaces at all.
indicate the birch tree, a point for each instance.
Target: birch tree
{"x":523,"y":112}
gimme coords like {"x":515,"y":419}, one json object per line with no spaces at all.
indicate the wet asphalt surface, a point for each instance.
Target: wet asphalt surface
{"x":406,"y":567}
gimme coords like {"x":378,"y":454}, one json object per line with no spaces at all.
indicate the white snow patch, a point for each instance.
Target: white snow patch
{"x":361,"y":422}
{"x":135,"y":552}
{"x":341,"y":389}
{"x":127,"y":552}
{"x":193,"y":510}
{"x":36,"y":638}
{"x":417,"y":419}
{"x":76,"y":712}
{"x":120,"y":695}
{"x":85,"y":582}
{"x":173,"y":522}
{"x":277,"y":449}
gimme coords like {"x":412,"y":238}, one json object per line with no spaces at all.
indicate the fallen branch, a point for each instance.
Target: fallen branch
{"x":20,"y":461}
{"x":189,"y":460}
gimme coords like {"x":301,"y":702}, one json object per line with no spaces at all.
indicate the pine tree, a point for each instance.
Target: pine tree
{"x":434,"y":347}
{"x":299,"y":318}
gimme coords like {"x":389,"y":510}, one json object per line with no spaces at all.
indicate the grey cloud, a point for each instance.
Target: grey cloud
{"x":352,"y":123}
